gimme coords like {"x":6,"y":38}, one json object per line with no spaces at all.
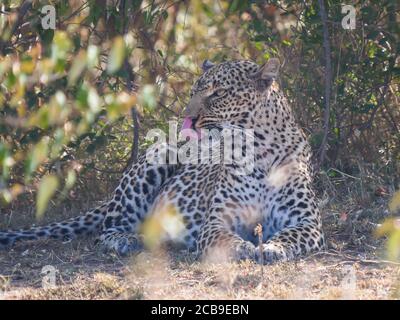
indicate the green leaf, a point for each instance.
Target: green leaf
{"x":147,"y":97}
{"x":70,"y":180}
{"x":393,"y":246}
{"x":394,"y":203}
{"x":6,"y":161}
{"x":78,"y":66}
{"x":47,"y":188}
{"x":60,"y":47}
{"x":38,"y":154}
{"x":93,"y":100}
{"x":117,"y":55}
{"x":93,"y":56}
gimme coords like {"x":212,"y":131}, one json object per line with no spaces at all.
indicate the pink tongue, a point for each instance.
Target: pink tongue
{"x":188,"y":131}
{"x":187,"y":123}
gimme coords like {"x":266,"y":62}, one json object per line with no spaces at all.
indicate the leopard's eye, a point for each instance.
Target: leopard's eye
{"x":219,"y":92}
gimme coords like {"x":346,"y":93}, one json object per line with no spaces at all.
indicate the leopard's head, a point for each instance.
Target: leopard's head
{"x":229,"y":94}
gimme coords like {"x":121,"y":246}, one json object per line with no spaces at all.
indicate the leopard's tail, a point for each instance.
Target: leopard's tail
{"x":88,"y":223}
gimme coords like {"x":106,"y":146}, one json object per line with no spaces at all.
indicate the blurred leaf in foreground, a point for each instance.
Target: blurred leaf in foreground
{"x":394,"y":203}
{"x":166,"y":223}
{"x":391,"y":228}
{"x":38,"y":154}
{"x":78,"y":66}
{"x":47,"y":188}
{"x":117,"y":55}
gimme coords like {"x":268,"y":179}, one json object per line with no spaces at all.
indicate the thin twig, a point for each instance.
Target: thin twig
{"x":343,"y":174}
{"x":328,"y":77}
{"x":130,"y":87}
{"x":23,"y":9}
{"x":350,"y":258}
{"x":258,"y":231}
{"x":77,"y":11}
{"x":135,"y":145}
{"x":381,"y":101}
{"x":107,"y":171}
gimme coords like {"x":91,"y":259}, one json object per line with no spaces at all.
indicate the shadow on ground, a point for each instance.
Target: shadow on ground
{"x":82,"y":272}
{"x":353,"y":267}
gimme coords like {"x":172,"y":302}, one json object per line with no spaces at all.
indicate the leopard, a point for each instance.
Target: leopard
{"x":218,"y":207}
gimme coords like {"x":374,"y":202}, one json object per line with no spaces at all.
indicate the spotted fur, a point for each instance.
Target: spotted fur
{"x":219,"y":208}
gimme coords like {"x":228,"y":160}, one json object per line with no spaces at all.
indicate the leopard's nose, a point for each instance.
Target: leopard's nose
{"x":194,"y":106}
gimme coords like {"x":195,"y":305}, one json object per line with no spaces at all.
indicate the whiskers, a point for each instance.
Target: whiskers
{"x":228,"y":144}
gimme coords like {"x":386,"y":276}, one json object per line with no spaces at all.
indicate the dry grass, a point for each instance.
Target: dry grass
{"x":352,"y":268}
{"x":83,"y":273}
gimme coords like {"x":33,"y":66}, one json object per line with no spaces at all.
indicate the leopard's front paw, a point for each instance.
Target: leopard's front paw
{"x":122,"y":244}
{"x":244,"y":251}
{"x":271,"y":253}
{"x":128,"y":245}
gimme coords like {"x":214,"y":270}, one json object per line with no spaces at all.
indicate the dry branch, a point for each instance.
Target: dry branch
{"x":328,"y":79}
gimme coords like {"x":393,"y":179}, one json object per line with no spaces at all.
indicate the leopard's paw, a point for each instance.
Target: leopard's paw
{"x":271,"y":253}
{"x":244,"y":251}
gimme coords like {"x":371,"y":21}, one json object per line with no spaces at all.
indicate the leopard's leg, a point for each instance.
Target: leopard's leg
{"x":292,"y":242}
{"x":228,"y":216}
{"x":219,"y":236}
{"x":293,"y":223}
{"x":297,"y":222}
{"x":132,"y":201}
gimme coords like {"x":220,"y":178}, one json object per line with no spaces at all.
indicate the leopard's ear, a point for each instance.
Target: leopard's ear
{"x":270,"y":70}
{"x":207,"y":65}
{"x":267,"y":73}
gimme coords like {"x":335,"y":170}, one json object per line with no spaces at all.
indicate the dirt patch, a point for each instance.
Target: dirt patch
{"x":353,"y":267}
{"x":81,"y":272}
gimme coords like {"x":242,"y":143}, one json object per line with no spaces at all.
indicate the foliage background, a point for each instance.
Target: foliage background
{"x":69,"y":98}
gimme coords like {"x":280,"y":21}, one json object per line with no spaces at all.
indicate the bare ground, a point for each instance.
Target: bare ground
{"x":353,"y":267}
{"x":81,"y":272}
